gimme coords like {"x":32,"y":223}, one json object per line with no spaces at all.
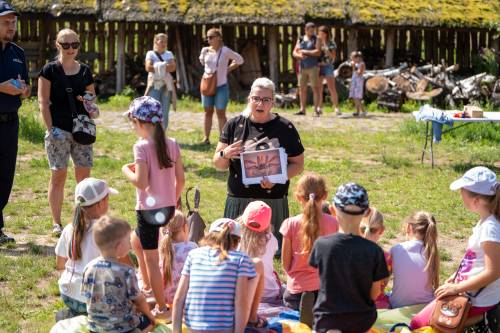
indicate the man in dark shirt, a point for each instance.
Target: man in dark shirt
{"x":13,"y":85}
{"x":351,"y":268}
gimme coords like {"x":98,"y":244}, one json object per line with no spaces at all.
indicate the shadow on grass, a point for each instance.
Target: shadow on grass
{"x":201,"y":147}
{"x":22,"y":249}
{"x":209,"y":172}
{"x":463,"y":167}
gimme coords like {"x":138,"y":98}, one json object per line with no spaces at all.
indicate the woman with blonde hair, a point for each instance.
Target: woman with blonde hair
{"x":55,"y":106}
{"x":258,"y":128}
{"x":221,"y":60}
{"x":159,"y":64}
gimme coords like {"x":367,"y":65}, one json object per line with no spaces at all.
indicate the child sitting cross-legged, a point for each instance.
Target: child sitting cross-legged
{"x":218,"y":284}
{"x":76,"y":247}
{"x":372,"y":228}
{"x":351,"y":268}
{"x":110,"y":287}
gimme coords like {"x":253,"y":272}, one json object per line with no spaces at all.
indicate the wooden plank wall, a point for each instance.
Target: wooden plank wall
{"x":99,"y":43}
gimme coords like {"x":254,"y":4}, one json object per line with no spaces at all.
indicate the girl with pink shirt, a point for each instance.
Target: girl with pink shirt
{"x":299,"y":233}
{"x":158,"y":175}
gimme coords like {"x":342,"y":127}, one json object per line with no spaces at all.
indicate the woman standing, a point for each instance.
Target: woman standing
{"x":221,"y":59}
{"x":326,"y":61}
{"x":159,"y":64}
{"x":58,"y":118}
{"x":258,"y":129}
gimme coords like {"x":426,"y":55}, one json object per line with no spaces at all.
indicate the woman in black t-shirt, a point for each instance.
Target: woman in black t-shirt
{"x":258,"y":129}
{"x":57,"y":116}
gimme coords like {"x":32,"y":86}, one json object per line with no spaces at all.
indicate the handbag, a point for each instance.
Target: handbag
{"x":195,"y":221}
{"x":208,"y":84}
{"x":84,"y":129}
{"x":450,"y":313}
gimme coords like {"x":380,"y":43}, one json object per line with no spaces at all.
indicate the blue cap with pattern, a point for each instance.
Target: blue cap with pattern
{"x":351,"y":194}
{"x":145,"y":108}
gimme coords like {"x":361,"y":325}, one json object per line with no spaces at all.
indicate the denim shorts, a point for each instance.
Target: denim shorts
{"x":59,"y":145}
{"x":326,"y":70}
{"x":219,"y":100}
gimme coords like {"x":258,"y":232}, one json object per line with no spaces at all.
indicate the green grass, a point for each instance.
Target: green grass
{"x":386,"y":163}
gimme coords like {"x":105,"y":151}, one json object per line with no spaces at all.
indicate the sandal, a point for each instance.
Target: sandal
{"x":260,"y":323}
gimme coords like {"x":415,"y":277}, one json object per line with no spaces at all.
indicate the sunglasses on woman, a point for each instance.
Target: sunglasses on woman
{"x":66,"y":46}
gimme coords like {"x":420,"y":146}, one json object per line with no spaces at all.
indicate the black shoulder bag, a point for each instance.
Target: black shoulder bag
{"x":84,"y":129}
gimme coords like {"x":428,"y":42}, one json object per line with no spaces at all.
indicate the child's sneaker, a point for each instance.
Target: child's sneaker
{"x":338,"y":112}
{"x":318,"y":112}
{"x":57,"y":230}
{"x":355,"y":114}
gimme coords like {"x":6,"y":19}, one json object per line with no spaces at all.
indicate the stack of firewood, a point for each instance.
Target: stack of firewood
{"x":393,"y":86}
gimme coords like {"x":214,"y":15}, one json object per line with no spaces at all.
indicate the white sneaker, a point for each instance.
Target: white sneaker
{"x":338,"y":112}
{"x":57,"y":230}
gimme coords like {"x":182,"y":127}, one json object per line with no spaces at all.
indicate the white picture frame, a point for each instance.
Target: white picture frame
{"x":270,"y":163}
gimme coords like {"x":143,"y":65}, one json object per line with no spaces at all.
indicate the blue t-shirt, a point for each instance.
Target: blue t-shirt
{"x":12,"y":64}
{"x":310,"y":44}
{"x":212,"y":287}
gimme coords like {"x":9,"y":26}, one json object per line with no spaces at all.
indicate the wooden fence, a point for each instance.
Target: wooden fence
{"x":107,"y":45}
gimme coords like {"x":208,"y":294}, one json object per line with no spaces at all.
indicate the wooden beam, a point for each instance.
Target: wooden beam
{"x":390,"y":43}
{"x":352,"y":40}
{"x":272,"y":42}
{"x":120,"y":61}
{"x":181,"y":67}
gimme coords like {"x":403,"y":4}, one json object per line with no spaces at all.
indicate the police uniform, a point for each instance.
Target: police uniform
{"x":12,"y":65}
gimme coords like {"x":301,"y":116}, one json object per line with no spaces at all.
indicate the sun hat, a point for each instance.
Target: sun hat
{"x":92,"y":190}
{"x":257,"y":216}
{"x":219,"y":224}
{"x":479,"y":180}
{"x":6,"y":9}
{"x":351,"y":194}
{"x":145,"y":108}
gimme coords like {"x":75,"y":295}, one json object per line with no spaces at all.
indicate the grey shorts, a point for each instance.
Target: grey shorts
{"x":61,"y":146}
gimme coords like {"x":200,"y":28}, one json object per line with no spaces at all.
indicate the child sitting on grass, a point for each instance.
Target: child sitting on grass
{"x":259,"y":243}
{"x":76,"y":247}
{"x":372,"y":228}
{"x":110,"y":287}
{"x":351,"y":268}
{"x":174,"y":249}
{"x":416,"y":262}
{"x":217,"y":286}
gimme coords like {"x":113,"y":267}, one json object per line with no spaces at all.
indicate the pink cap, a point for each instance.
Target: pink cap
{"x":257,"y":216}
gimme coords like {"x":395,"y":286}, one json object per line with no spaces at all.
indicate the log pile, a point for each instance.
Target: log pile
{"x":437,"y":82}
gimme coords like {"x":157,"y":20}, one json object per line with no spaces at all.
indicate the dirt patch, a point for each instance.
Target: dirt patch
{"x":189,"y":121}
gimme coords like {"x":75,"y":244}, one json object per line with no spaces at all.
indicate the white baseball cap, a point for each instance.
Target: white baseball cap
{"x":479,"y":180}
{"x":92,"y":190}
{"x":219,"y":225}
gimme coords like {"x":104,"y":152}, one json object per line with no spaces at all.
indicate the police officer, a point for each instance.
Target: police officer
{"x":13,"y":85}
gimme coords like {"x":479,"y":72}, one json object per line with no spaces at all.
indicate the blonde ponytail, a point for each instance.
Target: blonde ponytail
{"x":173,"y":228}
{"x":423,"y":224}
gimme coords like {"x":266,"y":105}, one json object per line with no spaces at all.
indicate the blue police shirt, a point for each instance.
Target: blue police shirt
{"x":12,"y":64}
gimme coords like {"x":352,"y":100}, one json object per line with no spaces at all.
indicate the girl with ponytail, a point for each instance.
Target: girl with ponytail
{"x":416,"y":262}
{"x":158,"y":175}
{"x":76,"y":247}
{"x":218,"y":283}
{"x":478,"y":275}
{"x":174,"y":248}
{"x":299,"y":233}
{"x":372,"y":228}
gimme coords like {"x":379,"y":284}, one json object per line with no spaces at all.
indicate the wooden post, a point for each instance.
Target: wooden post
{"x":352,"y":40}
{"x":180,"y":61}
{"x":272,"y":42}
{"x":120,"y":62}
{"x":390,"y":43}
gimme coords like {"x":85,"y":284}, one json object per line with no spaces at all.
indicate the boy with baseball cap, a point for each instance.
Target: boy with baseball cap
{"x":351,"y":268}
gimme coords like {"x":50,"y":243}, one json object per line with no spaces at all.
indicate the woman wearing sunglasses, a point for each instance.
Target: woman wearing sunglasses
{"x":58,"y":118}
{"x":220,"y":59}
{"x":257,"y":128}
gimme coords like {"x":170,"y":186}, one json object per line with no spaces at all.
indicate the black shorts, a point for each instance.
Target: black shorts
{"x":149,"y":223}
{"x":346,"y":322}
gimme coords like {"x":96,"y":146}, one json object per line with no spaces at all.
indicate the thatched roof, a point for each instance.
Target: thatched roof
{"x":451,"y":13}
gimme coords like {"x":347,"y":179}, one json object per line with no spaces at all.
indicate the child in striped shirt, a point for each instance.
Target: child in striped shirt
{"x":215,"y":278}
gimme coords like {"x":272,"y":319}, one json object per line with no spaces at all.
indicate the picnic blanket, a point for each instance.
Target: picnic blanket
{"x":284,"y":322}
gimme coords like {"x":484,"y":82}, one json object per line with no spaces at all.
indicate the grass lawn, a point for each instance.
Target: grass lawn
{"x":385,"y":160}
